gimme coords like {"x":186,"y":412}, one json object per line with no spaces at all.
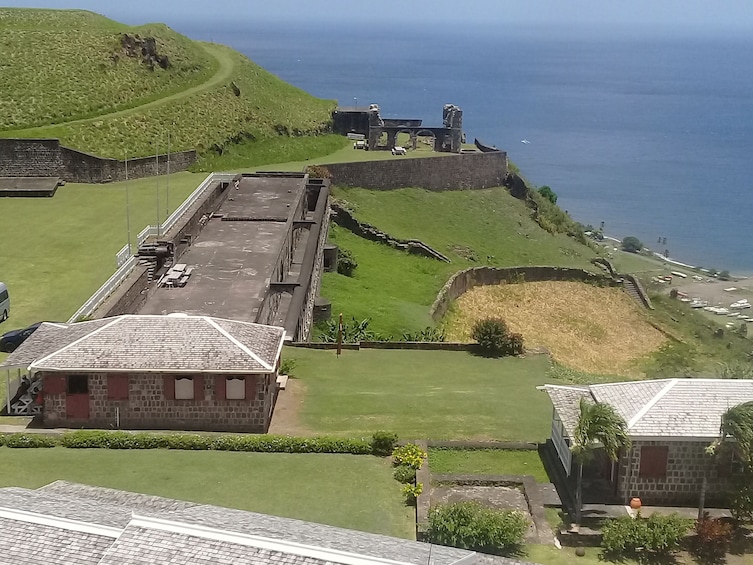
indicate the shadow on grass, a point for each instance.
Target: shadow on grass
{"x":641,"y":557}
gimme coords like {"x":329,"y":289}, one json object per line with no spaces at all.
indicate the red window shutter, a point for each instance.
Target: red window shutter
{"x":169,"y":388}
{"x":198,"y":387}
{"x":653,"y":462}
{"x":220,"y":388}
{"x":54,"y":384}
{"x":117,"y":387}
{"x":250,"y":388}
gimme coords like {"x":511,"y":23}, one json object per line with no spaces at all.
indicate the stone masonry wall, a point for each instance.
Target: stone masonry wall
{"x":686,"y":464}
{"x":47,"y":158}
{"x":450,"y":172}
{"x":465,"y":280}
{"x":147,"y":407}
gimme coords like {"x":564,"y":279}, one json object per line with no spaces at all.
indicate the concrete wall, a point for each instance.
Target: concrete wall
{"x":465,"y":280}
{"x":47,"y":158}
{"x":147,"y":407}
{"x":451,"y":172}
{"x":686,"y":464}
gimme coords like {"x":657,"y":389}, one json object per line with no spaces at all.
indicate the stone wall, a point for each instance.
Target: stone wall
{"x":450,"y":172}
{"x":47,"y":158}
{"x":686,"y":464}
{"x":465,"y":280}
{"x":147,"y":407}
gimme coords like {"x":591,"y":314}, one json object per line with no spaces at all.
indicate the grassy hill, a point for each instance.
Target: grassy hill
{"x":86,"y":91}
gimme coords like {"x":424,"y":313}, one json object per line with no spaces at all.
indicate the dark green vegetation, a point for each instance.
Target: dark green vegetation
{"x":93,"y":97}
{"x":471,"y":525}
{"x":422,"y":394}
{"x":494,"y":338}
{"x":631,"y":244}
{"x":342,"y":490}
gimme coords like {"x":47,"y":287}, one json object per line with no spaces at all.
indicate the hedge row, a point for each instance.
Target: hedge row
{"x":251,"y":443}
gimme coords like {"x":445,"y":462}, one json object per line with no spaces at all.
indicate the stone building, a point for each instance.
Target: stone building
{"x":671,"y":423}
{"x":154,"y":372}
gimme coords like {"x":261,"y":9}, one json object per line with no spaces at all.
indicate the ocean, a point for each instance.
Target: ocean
{"x":651,"y":134}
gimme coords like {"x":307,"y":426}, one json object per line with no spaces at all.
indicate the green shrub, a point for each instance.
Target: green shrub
{"x":658,"y":534}
{"x":405,"y":474}
{"x":470,"y":525}
{"x":287,"y":366}
{"x":412,"y":492}
{"x":631,"y":244}
{"x":548,"y":193}
{"x":409,"y":454}
{"x":383,"y":443}
{"x":250,"y":443}
{"x":27,"y":440}
{"x":426,"y":334}
{"x":494,"y":338}
{"x":346,"y":263}
{"x":490,"y":334}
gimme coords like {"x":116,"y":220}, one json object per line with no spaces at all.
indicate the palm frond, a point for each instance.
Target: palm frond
{"x":599,"y":424}
{"x":737,"y":423}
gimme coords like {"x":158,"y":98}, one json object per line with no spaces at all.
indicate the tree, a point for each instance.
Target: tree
{"x":632,"y":244}
{"x":724,"y":276}
{"x":548,"y":193}
{"x":599,"y":426}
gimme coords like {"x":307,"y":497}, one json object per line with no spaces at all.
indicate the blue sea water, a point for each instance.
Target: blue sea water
{"x":651,"y":134}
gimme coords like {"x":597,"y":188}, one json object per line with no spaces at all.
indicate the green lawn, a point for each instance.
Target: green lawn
{"x":350,"y":491}
{"x":488,"y":462}
{"x":423,"y":394}
{"x":57,"y":251}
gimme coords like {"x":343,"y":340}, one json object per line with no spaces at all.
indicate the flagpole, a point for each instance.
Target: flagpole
{"x":128,"y":207}
{"x":340,"y":336}
{"x":167,"y":180}
{"x":156,"y":158}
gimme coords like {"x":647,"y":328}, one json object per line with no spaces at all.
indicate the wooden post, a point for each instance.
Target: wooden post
{"x":340,"y":335}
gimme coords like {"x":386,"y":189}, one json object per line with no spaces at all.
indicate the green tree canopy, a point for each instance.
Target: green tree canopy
{"x":632,"y":244}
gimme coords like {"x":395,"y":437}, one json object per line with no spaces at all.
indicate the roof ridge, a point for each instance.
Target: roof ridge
{"x":61,"y":523}
{"x":75,"y":342}
{"x":651,"y":403}
{"x":237,"y":343}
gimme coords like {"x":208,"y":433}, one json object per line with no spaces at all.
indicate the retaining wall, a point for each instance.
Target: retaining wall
{"x":463,"y":281}
{"x":47,"y":158}
{"x":450,"y":172}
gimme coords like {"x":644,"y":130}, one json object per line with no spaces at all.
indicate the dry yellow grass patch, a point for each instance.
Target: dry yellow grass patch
{"x":592,"y":329}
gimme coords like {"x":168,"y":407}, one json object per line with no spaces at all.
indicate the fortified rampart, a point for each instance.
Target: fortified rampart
{"x":47,"y":158}
{"x":463,"y":281}
{"x":449,"y":172}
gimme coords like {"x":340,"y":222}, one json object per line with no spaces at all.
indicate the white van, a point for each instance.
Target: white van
{"x":4,"y":302}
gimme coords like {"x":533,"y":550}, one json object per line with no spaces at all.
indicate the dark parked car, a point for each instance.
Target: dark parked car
{"x":10,"y":341}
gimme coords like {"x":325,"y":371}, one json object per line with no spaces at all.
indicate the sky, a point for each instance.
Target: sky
{"x":704,"y":15}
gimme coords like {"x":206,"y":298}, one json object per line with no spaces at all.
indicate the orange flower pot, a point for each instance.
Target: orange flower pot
{"x":635,"y":503}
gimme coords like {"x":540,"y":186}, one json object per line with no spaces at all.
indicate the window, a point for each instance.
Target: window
{"x":117,"y":387}
{"x":78,"y":384}
{"x":3,"y":295}
{"x":184,"y":388}
{"x":653,"y":462}
{"x":235,"y":388}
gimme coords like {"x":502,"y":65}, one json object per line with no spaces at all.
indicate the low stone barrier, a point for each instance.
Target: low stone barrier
{"x":463,"y":281}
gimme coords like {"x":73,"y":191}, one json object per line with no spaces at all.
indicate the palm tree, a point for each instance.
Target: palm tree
{"x":599,"y":425}
{"x":737,"y":424}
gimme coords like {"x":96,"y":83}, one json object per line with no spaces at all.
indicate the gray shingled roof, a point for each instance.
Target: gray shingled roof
{"x":666,"y":408}
{"x":157,"y":530}
{"x":153,"y":343}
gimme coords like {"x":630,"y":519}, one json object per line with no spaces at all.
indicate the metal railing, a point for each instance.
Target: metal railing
{"x":127,"y":262}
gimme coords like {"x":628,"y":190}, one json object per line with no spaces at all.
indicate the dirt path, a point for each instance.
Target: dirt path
{"x":286,"y":416}
{"x":223,"y":74}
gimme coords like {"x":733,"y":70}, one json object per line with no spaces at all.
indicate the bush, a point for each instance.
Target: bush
{"x":658,"y":534}
{"x":426,"y":334}
{"x":346,"y":263}
{"x":405,"y":474}
{"x":287,"y":366}
{"x":27,"y":440}
{"x":713,"y":536}
{"x":249,"y":443}
{"x":470,"y":525}
{"x":409,"y":454}
{"x":318,"y":172}
{"x":383,"y":443}
{"x":412,"y":492}
{"x":494,"y":338}
{"x":632,"y":244}
{"x":548,"y":193}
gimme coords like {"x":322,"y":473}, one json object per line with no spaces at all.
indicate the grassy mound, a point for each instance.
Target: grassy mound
{"x":209,"y":98}
{"x":472,"y":228}
{"x":588,"y":328}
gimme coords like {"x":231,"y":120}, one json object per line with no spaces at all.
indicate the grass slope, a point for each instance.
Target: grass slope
{"x":474,"y":227}
{"x":349,"y":491}
{"x":488,"y":462}
{"x":423,"y":394}
{"x":201,"y":111}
